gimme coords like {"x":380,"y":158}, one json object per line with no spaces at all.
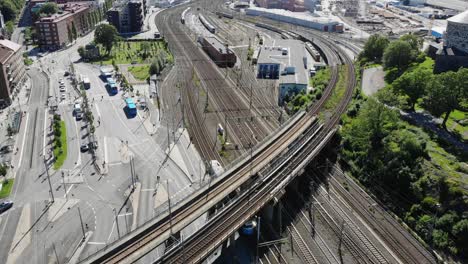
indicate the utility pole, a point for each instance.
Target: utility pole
{"x":64,"y":187}
{"x":280,"y":229}
{"x":169,"y":204}
{"x":116,"y":222}
{"x":81,"y":221}
{"x":48,"y":179}
{"x":55,"y":252}
{"x":258,"y":239}
{"x":341,"y":237}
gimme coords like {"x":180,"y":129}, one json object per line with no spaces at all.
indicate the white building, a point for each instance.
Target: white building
{"x":287,"y":61}
{"x":457,"y":32}
{"x":305,"y":19}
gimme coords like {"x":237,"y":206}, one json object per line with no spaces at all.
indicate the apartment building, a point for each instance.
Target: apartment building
{"x":127,"y":16}
{"x":12,"y":70}
{"x":54,"y":30}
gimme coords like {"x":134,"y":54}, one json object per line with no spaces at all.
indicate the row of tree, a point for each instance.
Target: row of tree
{"x":439,"y":94}
{"x":390,"y":158}
{"x":10,"y":10}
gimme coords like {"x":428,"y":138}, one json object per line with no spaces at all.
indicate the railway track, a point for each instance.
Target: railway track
{"x":270,"y":182}
{"x":402,"y":243}
{"x":146,"y":237}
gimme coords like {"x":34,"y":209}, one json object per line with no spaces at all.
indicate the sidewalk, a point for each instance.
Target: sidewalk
{"x":14,"y":113}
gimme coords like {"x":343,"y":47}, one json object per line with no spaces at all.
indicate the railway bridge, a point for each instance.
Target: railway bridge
{"x":251,"y":183}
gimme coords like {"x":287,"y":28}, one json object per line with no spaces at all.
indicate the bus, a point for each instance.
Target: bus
{"x":112,"y":86}
{"x":130,"y":107}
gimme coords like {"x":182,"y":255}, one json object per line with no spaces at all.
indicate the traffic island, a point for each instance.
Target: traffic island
{"x":60,"y":142}
{"x":5,"y":188}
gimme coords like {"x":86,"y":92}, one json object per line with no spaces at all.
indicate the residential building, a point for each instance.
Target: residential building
{"x":287,"y":61}
{"x":127,"y":16}
{"x":12,"y":70}
{"x":55,"y":31}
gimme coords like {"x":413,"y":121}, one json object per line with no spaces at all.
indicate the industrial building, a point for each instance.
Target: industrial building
{"x":54,"y":31}
{"x":454,"y":53}
{"x":127,"y":16}
{"x":221,"y":54}
{"x":302,"y":19}
{"x":12,"y":70}
{"x":287,"y":61}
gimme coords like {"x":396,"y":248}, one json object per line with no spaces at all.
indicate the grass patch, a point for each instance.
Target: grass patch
{"x":140,"y":72}
{"x":60,"y":149}
{"x":28,"y":61}
{"x":141,"y":52}
{"x":339,"y":90}
{"x":7,"y":185}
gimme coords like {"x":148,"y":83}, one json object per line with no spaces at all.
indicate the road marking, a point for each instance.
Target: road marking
{"x":24,"y":141}
{"x":69,"y":189}
{"x":78,"y":162}
{"x":45,"y":133}
{"x":112,"y":230}
{"x":96,"y":243}
{"x":97,"y":110}
{"x":147,"y":190}
{"x":125,"y":214}
{"x":105,"y":149}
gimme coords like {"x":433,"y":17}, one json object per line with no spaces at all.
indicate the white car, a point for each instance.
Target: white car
{"x":63,"y":96}
{"x":62,"y":89}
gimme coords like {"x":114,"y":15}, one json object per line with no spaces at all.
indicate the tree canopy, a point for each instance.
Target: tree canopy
{"x":413,"y":84}
{"x":374,"y":48}
{"x":445,"y":93}
{"x":48,"y":8}
{"x":106,"y":35}
{"x":398,"y":54}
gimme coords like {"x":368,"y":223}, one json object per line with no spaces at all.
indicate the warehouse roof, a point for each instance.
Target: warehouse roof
{"x":460,"y":18}
{"x":293,"y":59}
{"x":218,"y":44}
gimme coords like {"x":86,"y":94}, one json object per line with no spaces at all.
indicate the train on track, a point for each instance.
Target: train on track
{"x":313,"y":52}
{"x":207,"y":24}
{"x":182,"y":17}
{"x":226,"y":15}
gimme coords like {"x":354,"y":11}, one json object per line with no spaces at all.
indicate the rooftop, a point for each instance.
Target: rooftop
{"x":7,"y":48}
{"x":307,"y":16}
{"x":68,"y":10}
{"x":460,"y":18}
{"x":216,"y":43}
{"x":294,"y":58}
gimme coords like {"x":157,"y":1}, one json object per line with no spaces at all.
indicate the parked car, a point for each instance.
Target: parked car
{"x":63,"y":96}
{"x":62,"y":89}
{"x":93,"y":145}
{"x":66,"y":73}
{"x":84,"y":147}
{"x":5,"y":206}
{"x":79,"y":116}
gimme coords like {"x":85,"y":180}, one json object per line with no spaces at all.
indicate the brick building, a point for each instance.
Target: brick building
{"x":54,"y":30}
{"x":12,"y":70}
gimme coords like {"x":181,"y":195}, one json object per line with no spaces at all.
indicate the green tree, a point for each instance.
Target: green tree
{"x":460,"y":233}
{"x":446,"y":93}
{"x":10,"y":26}
{"x":48,"y":8}
{"x":3,"y":170}
{"x":374,"y":48}
{"x":81,"y":51}
{"x":441,"y":239}
{"x":106,"y":35}
{"x":415,"y":41}
{"x":423,"y":226}
{"x":413,"y":84}
{"x":154,"y":67}
{"x":398,"y":54}
{"x":8,"y":10}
